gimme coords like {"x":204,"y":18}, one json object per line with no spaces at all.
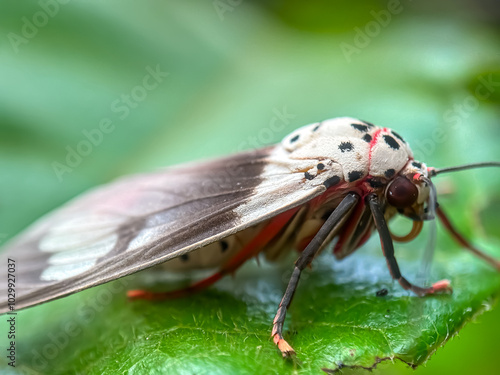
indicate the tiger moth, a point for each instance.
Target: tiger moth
{"x":339,"y":179}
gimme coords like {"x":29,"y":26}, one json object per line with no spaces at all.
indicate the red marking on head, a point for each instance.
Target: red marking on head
{"x":417,"y":176}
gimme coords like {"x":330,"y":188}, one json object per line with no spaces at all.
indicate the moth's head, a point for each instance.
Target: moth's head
{"x":412,"y":193}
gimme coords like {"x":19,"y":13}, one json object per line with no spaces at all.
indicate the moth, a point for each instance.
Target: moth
{"x":340,"y":179}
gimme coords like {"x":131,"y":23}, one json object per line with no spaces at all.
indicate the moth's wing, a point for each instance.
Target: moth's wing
{"x":143,"y":220}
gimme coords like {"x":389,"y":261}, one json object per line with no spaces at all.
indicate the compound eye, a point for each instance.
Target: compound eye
{"x":402,"y":193}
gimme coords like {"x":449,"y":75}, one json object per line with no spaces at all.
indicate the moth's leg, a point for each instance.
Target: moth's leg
{"x":270,"y":231}
{"x":388,"y":249}
{"x":462,"y":241}
{"x":304,"y":260}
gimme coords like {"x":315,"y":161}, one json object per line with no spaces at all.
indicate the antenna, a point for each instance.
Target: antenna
{"x":435,"y":171}
{"x":446,"y":221}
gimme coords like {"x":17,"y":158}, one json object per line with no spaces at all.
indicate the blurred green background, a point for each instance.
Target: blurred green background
{"x":154,"y":83}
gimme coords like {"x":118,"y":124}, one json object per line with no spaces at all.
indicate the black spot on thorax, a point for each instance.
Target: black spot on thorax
{"x":361,"y":128}
{"x":332,"y":181}
{"x":391,"y":142}
{"x":308,"y":176}
{"x":369,"y":124}
{"x":389,"y":173}
{"x":398,"y":136}
{"x":294,"y":139}
{"x":354,"y":175}
{"x":367,"y":138}
{"x":346,"y":146}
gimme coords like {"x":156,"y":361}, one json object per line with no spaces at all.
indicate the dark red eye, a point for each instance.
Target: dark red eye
{"x":402,"y":193}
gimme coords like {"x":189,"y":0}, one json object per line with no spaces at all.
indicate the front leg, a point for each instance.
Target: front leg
{"x":344,"y":208}
{"x":388,"y":250}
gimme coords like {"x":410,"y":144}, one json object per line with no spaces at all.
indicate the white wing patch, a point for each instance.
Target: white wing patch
{"x":77,"y":244}
{"x":92,"y":251}
{"x":58,"y":273}
{"x":269,"y":199}
{"x":56,"y":242}
{"x":291,"y":166}
{"x":144,"y":237}
{"x":83,"y":230}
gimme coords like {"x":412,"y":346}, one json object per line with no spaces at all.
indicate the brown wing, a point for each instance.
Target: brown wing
{"x":143,"y":220}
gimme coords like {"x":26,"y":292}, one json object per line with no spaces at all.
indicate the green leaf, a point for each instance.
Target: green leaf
{"x":230,"y":80}
{"x":335,"y":318}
